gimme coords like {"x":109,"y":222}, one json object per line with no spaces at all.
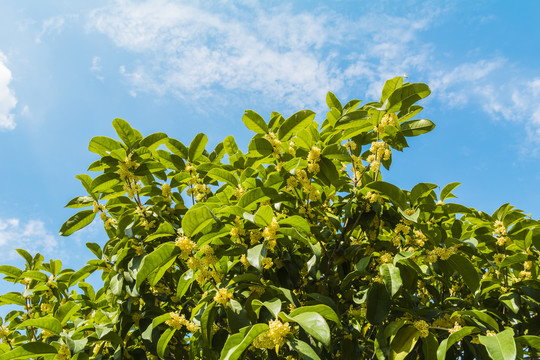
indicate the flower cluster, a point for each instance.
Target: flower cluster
{"x":126,"y":167}
{"x":166,"y":190}
{"x":63,"y":353}
{"x":313,"y":160}
{"x":270,"y":234}
{"x":276,"y":144}
{"x":379,"y":151}
{"x":223,"y":296}
{"x":302,"y":178}
{"x":441,"y":252}
{"x":388,"y":119}
{"x":274,"y":337}
{"x":422,"y":327}
{"x":500,"y":233}
{"x":178,"y":321}
{"x":186,"y":245}
{"x":238,"y":229}
{"x":373,"y":197}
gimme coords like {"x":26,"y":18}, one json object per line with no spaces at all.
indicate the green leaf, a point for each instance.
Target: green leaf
{"x":35,"y":275}
{"x":163,"y":341}
{"x":324,"y":310}
{"x":303,"y":349}
{"x":223,"y":176}
{"x":446,"y":192}
{"x":153,"y":141}
{"x":95,"y":248}
{"x":230,"y":145}
{"x":236,"y":344}
{"x":295,"y":123}
{"x":157,"y":258}
{"x":80,"y":202}
{"x":103,"y":145}
{"x":333,"y":102}
{"x":196,"y":148}
{"x":482,"y":316}
{"x":207,"y":322}
{"x":389,"y":191}
{"x":390,"y":86}
{"x":501,"y":346}
{"x":64,"y":312}
{"x":263,"y":216}
{"x":183,"y":284}
{"x":452,"y":339}
{"x":297,"y":222}
{"x":105,"y":182}
{"x":125,"y":132}
{"x":10,"y":271}
{"x":416,"y":127}
{"x":255,"y":255}
{"x":391,"y":277}
{"x":196,"y":220}
{"x":378,"y":304}
{"x":405,"y":96}
{"x":253,"y":196}
{"x":177,"y":148}
{"x":530,"y":341}
{"x":466,"y":269}
{"x":77,"y":222}
{"x":12,"y":298}
{"x":514,"y":259}
{"x":255,"y":122}
{"x":29,"y":350}
{"x":82,"y":273}
{"x":404,"y":342}
{"x":49,"y":324}
{"x":315,"y":325}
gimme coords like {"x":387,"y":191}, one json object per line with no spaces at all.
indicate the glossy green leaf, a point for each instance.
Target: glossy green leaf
{"x":501,"y":346}
{"x":184,"y":283}
{"x":297,"y":222}
{"x":157,"y":258}
{"x":196,"y":220}
{"x":196,"y":148}
{"x":263,"y":216}
{"x":466,"y":269}
{"x":405,"y":96}
{"x":416,"y":127}
{"x":29,"y":350}
{"x":255,"y":256}
{"x":177,"y":148}
{"x":324,"y":310}
{"x":390,"y":86}
{"x":77,"y":222}
{"x":391,"y":277}
{"x":404,"y":341}
{"x":64,"y":313}
{"x":452,"y":339}
{"x":80,"y":202}
{"x":293,"y":124}
{"x":103,"y":145}
{"x":10,"y":271}
{"x":378,"y":303}
{"x":230,"y":145}
{"x":164,"y":340}
{"x":333,"y":102}
{"x":125,"y":132}
{"x":255,"y":122}
{"x":315,"y":325}
{"x":303,"y":349}
{"x":12,"y":298}
{"x":49,"y":324}
{"x":105,"y":182}
{"x":223,"y":176}
{"x":389,"y":191}
{"x":236,"y":344}
{"x":446,"y":192}
{"x":154,"y":140}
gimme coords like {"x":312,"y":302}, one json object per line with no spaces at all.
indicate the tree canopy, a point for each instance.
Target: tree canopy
{"x":295,"y":249}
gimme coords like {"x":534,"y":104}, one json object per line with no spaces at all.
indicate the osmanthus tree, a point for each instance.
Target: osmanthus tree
{"x":296,"y":249}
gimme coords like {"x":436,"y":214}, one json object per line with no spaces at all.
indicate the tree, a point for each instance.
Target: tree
{"x":296,"y":249}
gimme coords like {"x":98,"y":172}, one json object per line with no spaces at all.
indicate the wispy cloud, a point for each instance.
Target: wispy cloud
{"x":30,"y":235}
{"x":7,"y":97}
{"x":295,"y":57}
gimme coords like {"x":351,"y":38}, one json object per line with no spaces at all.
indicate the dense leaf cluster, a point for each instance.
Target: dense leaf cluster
{"x":296,"y":249}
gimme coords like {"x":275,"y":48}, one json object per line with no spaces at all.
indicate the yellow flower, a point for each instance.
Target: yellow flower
{"x":45,"y":307}
{"x":223,"y":297}
{"x":186,"y":245}
{"x":422,"y":327}
{"x":166,"y":190}
{"x":63,"y":353}
{"x":4,"y":331}
{"x":244,"y":261}
{"x":267,"y":263}
{"x":274,"y":337}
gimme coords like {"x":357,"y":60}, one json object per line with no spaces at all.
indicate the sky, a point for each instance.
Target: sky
{"x":68,"y":68}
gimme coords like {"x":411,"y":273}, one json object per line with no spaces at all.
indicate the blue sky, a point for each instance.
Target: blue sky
{"x":68,"y":68}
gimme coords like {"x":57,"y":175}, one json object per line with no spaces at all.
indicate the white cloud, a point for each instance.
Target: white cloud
{"x":293,"y":58}
{"x":7,"y":97}
{"x":31,"y":235}
{"x":96,"y":67}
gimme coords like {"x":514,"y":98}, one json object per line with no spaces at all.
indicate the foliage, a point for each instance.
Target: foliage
{"x":295,"y":249}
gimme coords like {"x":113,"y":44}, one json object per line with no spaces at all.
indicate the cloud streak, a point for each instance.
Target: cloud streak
{"x":31,"y":235}
{"x":294,"y":58}
{"x":8,"y":101}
